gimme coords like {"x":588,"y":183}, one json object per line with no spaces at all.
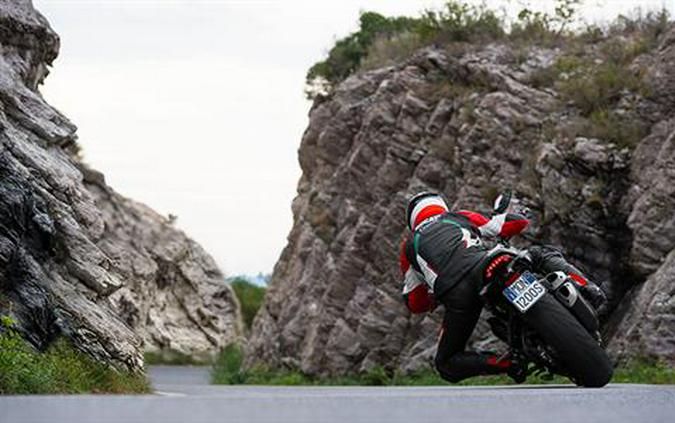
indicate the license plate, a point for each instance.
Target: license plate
{"x":524,"y":292}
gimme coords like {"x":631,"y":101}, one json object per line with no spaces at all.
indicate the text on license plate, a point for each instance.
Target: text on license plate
{"x":524,"y":292}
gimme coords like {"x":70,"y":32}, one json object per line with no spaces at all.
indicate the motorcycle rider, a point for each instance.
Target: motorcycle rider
{"x":443,"y":262}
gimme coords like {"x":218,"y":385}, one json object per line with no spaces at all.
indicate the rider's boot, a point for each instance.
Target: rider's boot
{"x":509,"y":365}
{"x":548,"y":259}
{"x":590,"y":291}
{"x":517,"y":372}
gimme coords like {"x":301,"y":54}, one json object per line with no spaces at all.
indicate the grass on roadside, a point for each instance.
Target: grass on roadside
{"x":59,"y":370}
{"x":228,"y":370}
{"x":645,"y":371}
{"x":172,"y":358}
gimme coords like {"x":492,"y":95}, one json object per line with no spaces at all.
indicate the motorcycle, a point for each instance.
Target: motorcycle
{"x":549,"y":326}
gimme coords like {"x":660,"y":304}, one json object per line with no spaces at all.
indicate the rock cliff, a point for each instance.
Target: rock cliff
{"x":77,"y":259}
{"x":467,"y":120}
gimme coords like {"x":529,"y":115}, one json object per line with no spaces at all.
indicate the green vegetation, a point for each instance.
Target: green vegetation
{"x":645,"y":371}
{"x":594,"y":87}
{"x":561,"y":69}
{"x":60,"y":369}
{"x":381,"y":40}
{"x":595,"y":74}
{"x":172,"y":359}
{"x":608,"y":125}
{"x":228,"y":370}
{"x":347,"y":53}
{"x":597,"y":56}
{"x":544,"y":28}
{"x":250,"y":298}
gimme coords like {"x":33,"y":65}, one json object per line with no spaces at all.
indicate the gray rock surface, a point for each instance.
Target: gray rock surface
{"x":647,"y":329}
{"x":77,"y":259}
{"x":174,"y":296}
{"x":645,"y":321}
{"x":465,"y":122}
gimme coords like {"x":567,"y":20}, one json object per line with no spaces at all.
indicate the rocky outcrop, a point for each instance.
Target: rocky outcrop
{"x":77,"y":259}
{"x":174,"y":296}
{"x":645,"y":321}
{"x":464,"y":121}
{"x":647,"y":329}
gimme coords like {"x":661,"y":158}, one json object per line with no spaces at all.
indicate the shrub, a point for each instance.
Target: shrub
{"x":377,"y":376}
{"x":250,"y":298}
{"x":172,"y":358}
{"x":347,"y":53}
{"x":459,"y":21}
{"x":599,"y":86}
{"x":387,"y":50}
{"x":607,"y":125}
{"x":532,"y":28}
{"x":227,"y":369}
{"x":60,"y":369}
{"x":563,"y":68}
{"x":386,"y":39}
{"x":651,"y":25}
{"x":382,"y":40}
{"x":596,"y":83}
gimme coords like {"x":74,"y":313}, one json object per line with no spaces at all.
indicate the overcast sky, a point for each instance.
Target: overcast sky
{"x":196,"y":108}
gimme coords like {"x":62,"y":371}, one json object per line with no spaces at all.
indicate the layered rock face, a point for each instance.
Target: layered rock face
{"x":646,"y":319}
{"x":466,"y":121}
{"x":77,"y":259}
{"x":173,"y":295}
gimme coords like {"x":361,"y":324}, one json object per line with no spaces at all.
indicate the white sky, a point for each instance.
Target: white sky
{"x":196,"y":108}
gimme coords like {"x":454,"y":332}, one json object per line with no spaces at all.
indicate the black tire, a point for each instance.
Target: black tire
{"x":580,"y":355}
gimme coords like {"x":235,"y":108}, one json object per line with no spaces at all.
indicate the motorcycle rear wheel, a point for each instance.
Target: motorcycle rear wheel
{"x":579,"y":354}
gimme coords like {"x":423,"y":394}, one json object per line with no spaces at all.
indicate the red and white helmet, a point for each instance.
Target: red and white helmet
{"x":424,"y":205}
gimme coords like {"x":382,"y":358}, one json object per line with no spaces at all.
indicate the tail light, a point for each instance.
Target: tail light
{"x":495,"y":264}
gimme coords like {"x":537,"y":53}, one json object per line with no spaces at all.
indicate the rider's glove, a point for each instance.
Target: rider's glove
{"x":524,"y":211}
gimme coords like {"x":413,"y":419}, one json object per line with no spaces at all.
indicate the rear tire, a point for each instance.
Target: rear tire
{"x":579,"y":354}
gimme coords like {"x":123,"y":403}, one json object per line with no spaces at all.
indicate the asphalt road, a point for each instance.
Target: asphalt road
{"x":184,"y":395}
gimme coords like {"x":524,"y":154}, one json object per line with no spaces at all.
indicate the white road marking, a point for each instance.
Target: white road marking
{"x":169,"y":394}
